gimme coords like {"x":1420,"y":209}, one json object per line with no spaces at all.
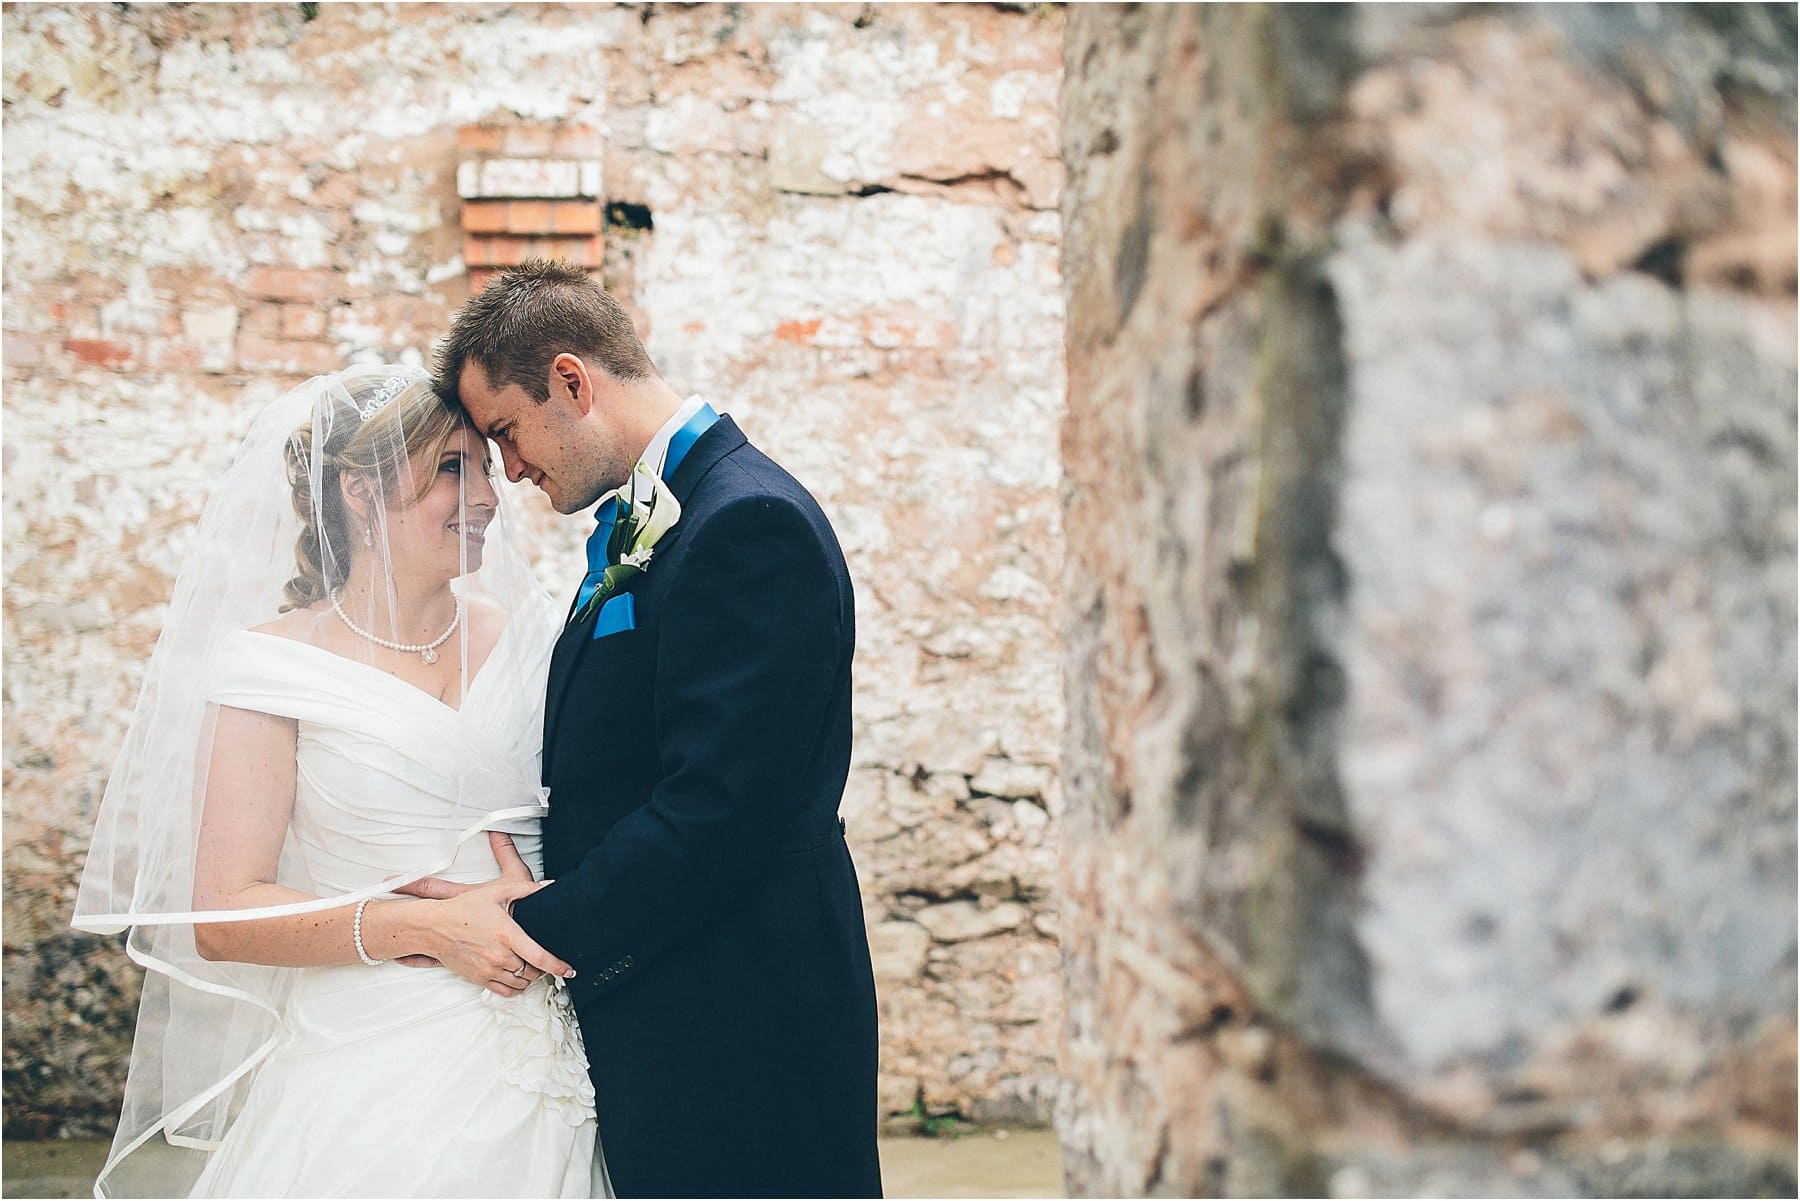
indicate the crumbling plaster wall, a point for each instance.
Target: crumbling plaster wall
{"x":855,"y":251}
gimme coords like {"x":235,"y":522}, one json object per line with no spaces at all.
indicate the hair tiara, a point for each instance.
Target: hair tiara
{"x":384,"y":393}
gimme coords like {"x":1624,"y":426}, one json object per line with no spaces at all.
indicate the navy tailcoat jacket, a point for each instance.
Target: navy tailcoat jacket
{"x":703,"y":889}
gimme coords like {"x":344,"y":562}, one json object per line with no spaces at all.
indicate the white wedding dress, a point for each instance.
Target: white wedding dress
{"x":393,"y":1081}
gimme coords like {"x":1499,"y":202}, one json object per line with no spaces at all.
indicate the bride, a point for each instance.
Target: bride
{"x":346,"y":695}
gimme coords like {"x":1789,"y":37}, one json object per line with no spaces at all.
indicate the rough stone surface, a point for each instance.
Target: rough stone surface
{"x":1429,"y":602}
{"x":854,"y":248}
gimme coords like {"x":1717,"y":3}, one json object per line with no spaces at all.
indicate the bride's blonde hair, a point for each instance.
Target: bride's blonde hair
{"x":411,"y":428}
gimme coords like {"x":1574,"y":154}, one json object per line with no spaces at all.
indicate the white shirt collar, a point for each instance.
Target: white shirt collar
{"x":658,"y":450}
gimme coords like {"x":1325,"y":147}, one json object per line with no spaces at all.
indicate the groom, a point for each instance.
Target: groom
{"x":696,"y":743}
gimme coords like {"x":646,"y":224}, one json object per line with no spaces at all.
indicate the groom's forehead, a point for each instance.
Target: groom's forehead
{"x":480,"y":399}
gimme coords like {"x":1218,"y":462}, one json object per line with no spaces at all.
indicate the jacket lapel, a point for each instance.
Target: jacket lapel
{"x":717,"y":442}
{"x":708,"y":452}
{"x":563,"y":658}
{"x":576,"y":639}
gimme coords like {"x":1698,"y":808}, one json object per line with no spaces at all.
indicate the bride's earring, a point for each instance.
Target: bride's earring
{"x":368,"y":536}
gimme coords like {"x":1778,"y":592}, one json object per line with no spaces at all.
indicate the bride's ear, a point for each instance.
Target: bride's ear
{"x":359,"y":496}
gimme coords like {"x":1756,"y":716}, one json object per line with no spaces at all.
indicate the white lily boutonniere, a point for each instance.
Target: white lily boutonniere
{"x":647,"y":511}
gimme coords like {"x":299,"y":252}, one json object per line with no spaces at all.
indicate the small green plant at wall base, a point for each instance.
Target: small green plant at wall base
{"x":946,"y":1125}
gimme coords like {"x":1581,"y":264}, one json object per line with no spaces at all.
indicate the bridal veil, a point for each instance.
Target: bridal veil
{"x":347,"y":471}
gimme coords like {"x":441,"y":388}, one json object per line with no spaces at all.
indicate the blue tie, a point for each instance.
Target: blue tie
{"x":607,"y":515}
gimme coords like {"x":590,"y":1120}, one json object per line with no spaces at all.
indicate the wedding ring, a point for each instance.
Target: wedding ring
{"x":519,"y":971}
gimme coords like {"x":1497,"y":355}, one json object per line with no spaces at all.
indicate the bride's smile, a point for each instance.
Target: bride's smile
{"x":442,"y":534}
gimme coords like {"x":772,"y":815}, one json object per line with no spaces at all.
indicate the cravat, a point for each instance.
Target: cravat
{"x":605,"y":516}
{"x":608,"y":513}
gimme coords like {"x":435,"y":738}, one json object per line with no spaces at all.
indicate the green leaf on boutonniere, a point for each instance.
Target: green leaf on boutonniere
{"x":636,"y":530}
{"x":617,"y":576}
{"x":623,"y":529}
{"x":611,"y":581}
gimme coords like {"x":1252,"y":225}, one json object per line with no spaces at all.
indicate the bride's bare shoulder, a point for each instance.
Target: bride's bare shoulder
{"x":296,"y":624}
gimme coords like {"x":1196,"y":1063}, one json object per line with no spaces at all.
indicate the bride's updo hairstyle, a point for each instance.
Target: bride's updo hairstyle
{"x":411,"y":427}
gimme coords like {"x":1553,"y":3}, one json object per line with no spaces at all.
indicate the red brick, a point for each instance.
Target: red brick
{"x":101,"y":353}
{"x":530,"y":248}
{"x":476,"y":249}
{"x":798,"y":332}
{"x":527,"y":141}
{"x":583,"y":252}
{"x":289,"y":283}
{"x":261,"y":320}
{"x":173,"y":356}
{"x":484,"y":216}
{"x":495,"y":251}
{"x":291,"y":358}
{"x":479,"y":139}
{"x":302,"y":321}
{"x":578,"y":141}
{"x":528,"y":217}
{"x":574,"y":217}
{"x":510,"y":250}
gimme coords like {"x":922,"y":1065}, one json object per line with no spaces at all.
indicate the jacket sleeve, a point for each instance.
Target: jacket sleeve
{"x":749,"y":645}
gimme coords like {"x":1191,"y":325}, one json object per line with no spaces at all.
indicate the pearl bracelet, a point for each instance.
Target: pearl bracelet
{"x":356,"y":934}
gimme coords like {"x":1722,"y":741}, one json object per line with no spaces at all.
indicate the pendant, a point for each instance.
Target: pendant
{"x":429,"y":655}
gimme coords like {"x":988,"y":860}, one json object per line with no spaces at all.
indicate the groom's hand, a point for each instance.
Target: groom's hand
{"x":478,"y":940}
{"x":512,"y":867}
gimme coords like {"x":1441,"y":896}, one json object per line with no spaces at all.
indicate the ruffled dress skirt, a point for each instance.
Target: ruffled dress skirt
{"x":393,"y":1081}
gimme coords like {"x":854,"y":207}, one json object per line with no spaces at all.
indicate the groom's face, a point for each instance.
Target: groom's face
{"x":553,"y":443}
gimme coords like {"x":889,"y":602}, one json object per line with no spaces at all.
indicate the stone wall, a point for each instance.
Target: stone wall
{"x":1429,"y":602}
{"x":840,"y":224}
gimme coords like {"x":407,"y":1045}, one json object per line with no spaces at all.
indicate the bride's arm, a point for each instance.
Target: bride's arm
{"x":249,"y":799}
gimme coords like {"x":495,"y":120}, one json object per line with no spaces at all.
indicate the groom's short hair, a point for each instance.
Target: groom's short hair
{"x":529,"y":314}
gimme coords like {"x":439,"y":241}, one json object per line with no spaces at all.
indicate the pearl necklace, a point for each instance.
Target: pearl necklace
{"x":425,"y":650}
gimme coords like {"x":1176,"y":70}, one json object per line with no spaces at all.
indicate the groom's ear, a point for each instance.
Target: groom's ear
{"x":572,"y":382}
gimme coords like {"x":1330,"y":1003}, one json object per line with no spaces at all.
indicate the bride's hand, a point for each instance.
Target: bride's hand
{"x":473,"y":930}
